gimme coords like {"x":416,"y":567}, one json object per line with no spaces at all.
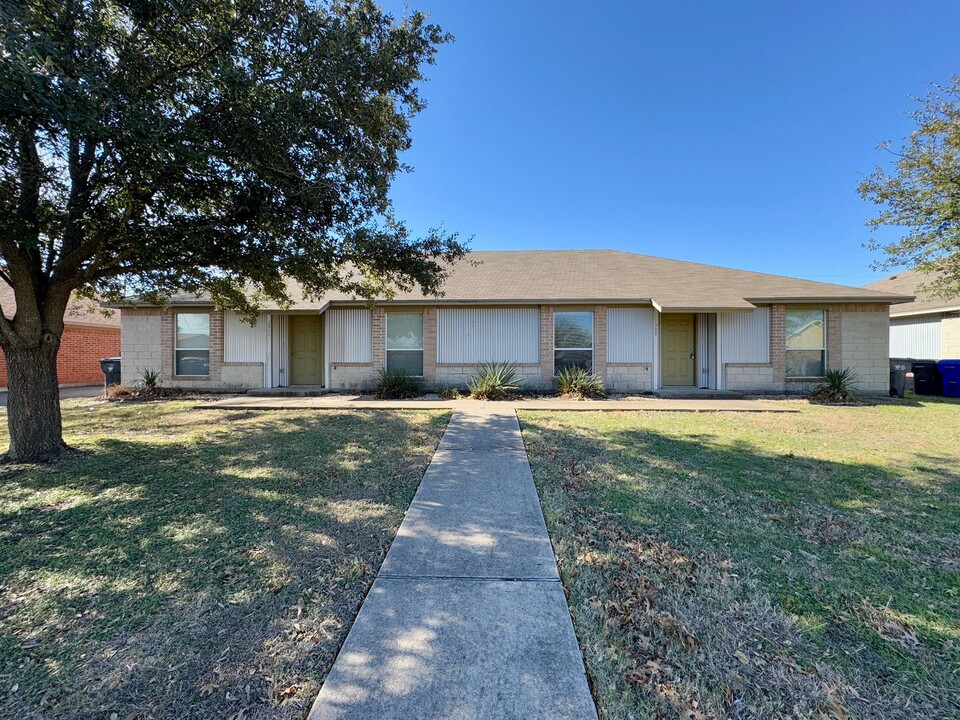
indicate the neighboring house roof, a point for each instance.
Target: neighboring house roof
{"x":83,"y":313}
{"x":606,"y":276}
{"x":906,"y":283}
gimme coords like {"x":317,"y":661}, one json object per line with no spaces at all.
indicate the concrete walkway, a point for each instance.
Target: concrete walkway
{"x":361,"y":402}
{"x":467,"y":619}
{"x":66,"y":392}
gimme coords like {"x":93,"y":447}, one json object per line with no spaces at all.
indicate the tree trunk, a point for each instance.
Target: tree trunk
{"x":33,"y":403}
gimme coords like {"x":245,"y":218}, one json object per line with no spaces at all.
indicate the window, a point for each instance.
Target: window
{"x":192,"y":350}
{"x":806,"y":344}
{"x":405,"y":342}
{"x":572,"y":340}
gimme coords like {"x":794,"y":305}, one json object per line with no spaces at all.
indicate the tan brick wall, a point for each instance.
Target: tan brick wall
{"x":778,"y":346}
{"x":546,"y":346}
{"x":858,"y":337}
{"x":834,"y":320}
{"x":242,"y":375}
{"x":623,"y":377}
{"x":166,"y":346}
{"x":140,"y":343}
{"x":429,"y":345}
{"x":866,"y":348}
{"x":147,"y":342}
{"x":459,"y":376}
{"x":751,"y":378}
{"x":349,"y":376}
{"x":950,"y":336}
{"x":378,"y":341}
{"x":600,"y":341}
{"x":216,"y":344}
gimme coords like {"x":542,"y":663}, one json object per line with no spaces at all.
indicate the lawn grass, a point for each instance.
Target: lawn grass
{"x":760,"y":565}
{"x":194,"y":563}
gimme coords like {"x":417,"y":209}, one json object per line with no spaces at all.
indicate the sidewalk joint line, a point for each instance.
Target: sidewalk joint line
{"x":483,"y":578}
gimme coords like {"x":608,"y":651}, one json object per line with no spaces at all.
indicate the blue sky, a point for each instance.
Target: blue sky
{"x":728,"y":133}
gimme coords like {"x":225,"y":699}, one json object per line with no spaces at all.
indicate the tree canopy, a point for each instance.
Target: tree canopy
{"x":148,"y":146}
{"x":921,"y":195}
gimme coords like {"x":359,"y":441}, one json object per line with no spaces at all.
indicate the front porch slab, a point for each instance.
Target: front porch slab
{"x":290,"y":391}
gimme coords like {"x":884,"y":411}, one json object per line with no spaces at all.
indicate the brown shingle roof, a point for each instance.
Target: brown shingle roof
{"x":79,"y":312}
{"x":584,"y":276}
{"x":906,"y":283}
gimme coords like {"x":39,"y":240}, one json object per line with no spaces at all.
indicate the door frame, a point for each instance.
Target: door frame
{"x":662,"y":374}
{"x":322,"y":349}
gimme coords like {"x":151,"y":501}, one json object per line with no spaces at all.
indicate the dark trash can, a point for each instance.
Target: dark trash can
{"x":899,"y":367}
{"x":926,"y":378}
{"x":950,"y":377}
{"x":111,"y":371}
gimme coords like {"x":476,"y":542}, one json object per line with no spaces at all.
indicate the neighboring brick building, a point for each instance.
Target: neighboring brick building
{"x":88,"y":336}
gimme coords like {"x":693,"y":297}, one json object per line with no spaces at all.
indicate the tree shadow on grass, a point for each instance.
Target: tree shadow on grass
{"x":864,"y":558}
{"x":197,"y":577}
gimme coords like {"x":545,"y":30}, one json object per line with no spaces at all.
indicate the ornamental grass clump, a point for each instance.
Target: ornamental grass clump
{"x":493,"y":381}
{"x":397,"y":385}
{"x":580,"y":383}
{"x":838,"y":386}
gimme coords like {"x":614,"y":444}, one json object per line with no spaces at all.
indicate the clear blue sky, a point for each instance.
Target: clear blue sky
{"x":731,"y":133}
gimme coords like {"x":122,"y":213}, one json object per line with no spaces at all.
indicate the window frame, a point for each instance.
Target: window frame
{"x":822,"y":349}
{"x":386,"y":340}
{"x":177,"y":348}
{"x":593,"y":338}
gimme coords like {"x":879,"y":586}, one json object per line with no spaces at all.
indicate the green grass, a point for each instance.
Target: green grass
{"x":760,"y":565}
{"x":192,"y":563}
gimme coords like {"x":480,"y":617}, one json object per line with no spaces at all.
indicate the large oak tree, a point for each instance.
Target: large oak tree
{"x":224,"y":146}
{"x":920,"y":196}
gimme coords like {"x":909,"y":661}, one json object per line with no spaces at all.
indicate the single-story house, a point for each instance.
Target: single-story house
{"x":641,"y":322}
{"x":926,"y":328}
{"x":90,"y":333}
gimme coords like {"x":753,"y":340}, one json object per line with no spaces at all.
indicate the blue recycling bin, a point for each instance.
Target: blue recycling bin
{"x":950,"y":377}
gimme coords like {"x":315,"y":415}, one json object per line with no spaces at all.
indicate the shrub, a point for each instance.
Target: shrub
{"x":580,"y":383}
{"x":450,"y":393}
{"x":838,"y":386}
{"x":150,"y":379}
{"x":493,"y":381}
{"x":396,"y":385}
{"x":118,"y":392}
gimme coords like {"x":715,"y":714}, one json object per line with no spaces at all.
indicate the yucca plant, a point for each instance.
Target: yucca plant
{"x":579,"y":382}
{"x":838,"y":386}
{"x":396,"y":385}
{"x":150,"y":379}
{"x":493,"y":381}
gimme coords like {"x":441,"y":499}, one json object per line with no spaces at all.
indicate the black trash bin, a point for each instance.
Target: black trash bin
{"x":111,"y":371}
{"x":899,"y":367}
{"x":926,"y":378}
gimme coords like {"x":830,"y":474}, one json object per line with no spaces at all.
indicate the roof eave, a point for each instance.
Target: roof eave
{"x":927,"y":311}
{"x":874,"y":299}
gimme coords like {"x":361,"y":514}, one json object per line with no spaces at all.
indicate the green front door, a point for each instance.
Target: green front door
{"x":678,"y":349}
{"x":306,"y":350}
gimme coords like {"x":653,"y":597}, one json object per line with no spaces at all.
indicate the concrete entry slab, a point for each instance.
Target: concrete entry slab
{"x":459,"y":650}
{"x":442,"y":634}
